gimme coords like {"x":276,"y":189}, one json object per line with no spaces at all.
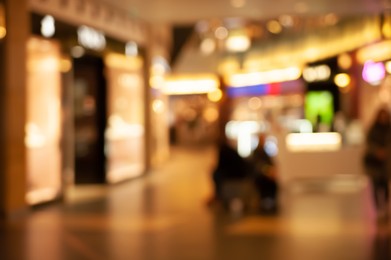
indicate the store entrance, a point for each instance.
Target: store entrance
{"x":90,"y":120}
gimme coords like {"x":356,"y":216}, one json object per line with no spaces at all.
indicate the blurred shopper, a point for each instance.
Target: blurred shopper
{"x":265,"y":177}
{"x":229,"y":167}
{"x":375,"y":160}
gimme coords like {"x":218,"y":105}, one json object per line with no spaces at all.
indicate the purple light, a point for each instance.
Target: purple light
{"x":373,"y":72}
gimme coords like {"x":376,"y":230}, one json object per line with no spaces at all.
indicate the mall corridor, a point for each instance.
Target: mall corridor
{"x":164,"y":216}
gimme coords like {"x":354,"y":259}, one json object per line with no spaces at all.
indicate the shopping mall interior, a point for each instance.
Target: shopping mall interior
{"x":113,"y":112}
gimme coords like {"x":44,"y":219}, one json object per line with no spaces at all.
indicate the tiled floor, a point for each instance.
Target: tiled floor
{"x":163,"y":216}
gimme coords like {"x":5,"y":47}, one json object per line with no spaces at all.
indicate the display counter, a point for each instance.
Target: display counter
{"x":317,"y":155}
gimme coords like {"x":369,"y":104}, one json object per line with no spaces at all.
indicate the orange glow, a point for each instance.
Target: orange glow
{"x":125,"y":131}
{"x":43,"y":121}
{"x":215,"y":96}
{"x":190,"y":84}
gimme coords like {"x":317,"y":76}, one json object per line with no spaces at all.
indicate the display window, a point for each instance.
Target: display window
{"x":125,"y":135}
{"x":43,"y":123}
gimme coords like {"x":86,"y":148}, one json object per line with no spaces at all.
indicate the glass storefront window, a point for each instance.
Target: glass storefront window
{"x":125,"y":127}
{"x":43,"y":125}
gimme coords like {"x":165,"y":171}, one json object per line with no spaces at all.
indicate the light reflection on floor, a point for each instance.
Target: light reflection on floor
{"x":163,"y":216}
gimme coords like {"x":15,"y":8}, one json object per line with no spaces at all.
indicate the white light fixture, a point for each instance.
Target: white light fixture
{"x":91,"y":38}
{"x":48,"y":27}
{"x":238,"y":43}
{"x":131,"y":49}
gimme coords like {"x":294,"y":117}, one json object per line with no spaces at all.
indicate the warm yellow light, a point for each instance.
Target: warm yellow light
{"x":274,"y":27}
{"x":215,"y":96}
{"x":375,"y":52}
{"x":158,"y":69}
{"x":228,"y":66}
{"x":190,"y":84}
{"x":211,"y":114}
{"x":342,"y":80}
{"x":386,"y":30}
{"x":313,"y":142}
{"x":156,"y":81}
{"x":344,"y":61}
{"x":256,"y":78}
{"x":388,"y":66}
{"x":238,"y":43}
{"x":66,"y":65}
{"x":124,"y":62}
{"x":208,"y":46}
{"x":158,"y":106}
{"x":3,"y":32}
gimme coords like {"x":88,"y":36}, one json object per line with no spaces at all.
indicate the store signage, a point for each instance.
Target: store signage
{"x":91,"y":38}
{"x":373,"y":72}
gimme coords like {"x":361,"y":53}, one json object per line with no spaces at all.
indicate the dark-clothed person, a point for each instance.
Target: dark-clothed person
{"x":230,"y":166}
{"x":375,"y":159}
{"x":265,"y":181}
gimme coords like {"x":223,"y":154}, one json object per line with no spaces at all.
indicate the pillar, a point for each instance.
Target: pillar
{"x":12,"y":108}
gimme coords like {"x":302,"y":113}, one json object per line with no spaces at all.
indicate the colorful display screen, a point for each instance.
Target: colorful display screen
{"x":319,"y":107}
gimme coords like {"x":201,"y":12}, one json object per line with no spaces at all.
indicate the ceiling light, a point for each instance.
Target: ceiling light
{"x":47,"y":26}
{"x":274,"y":27}
{"x":238,"y":43}
{"x":342,"y":80}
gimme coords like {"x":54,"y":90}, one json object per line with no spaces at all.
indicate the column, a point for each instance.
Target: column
{"x":12,"y":108}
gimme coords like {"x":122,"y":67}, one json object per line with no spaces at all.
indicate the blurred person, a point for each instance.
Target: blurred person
{"x":230,"y":166}
{"x":375,"y":160}
{"x":265,"y":177}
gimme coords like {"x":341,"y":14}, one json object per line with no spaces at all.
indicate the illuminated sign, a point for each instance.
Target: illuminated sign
{"x":373,"y":72}
{"x":91,"y":38}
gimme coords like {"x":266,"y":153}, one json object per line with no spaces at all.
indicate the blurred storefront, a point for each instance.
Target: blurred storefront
{"x":100,"y":116}
{"x":81,"y":107}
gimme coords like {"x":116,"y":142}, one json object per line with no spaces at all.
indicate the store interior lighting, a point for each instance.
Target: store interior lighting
{"x":310,"y":142}
{"x":190,"y":84}
{"x":264,"y":77}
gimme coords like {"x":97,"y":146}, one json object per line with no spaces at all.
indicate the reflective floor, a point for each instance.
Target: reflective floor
{"x":164,"y":216}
